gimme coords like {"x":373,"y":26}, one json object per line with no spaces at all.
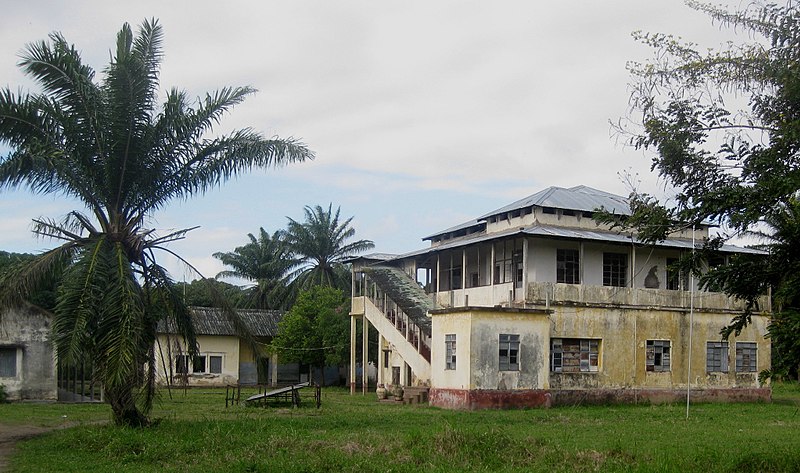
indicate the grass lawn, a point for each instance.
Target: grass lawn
{"x":197,"y":433}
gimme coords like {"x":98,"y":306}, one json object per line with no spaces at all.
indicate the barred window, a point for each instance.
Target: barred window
{"x":568,"y":266}
{"x":450,"y":351}
{"x":746,"y":357}
{"x":657,"y":355}
{"x":509,"y":352}
{"x":615,"y":269}
{"x":574,"y":355}
{"x":717,"y":357}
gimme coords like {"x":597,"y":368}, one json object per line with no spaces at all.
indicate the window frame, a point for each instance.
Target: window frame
{"x":450,"y":351}
{"x":717,"y":357}
{"x":752,"y":348}
{"x":568,"y":266}
{"x":12,"y":352}
{"x":615,"y":269}
{"x":508,"y":352}
{"x":658,"y":360}
{"x":588,"y":354}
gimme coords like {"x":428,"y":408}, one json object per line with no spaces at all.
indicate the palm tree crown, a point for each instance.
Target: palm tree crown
{"x":266,"y":261}
{"x":110,"y":145}
{"x":321,"y":245}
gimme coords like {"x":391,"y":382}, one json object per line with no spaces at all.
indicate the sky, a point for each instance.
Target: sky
{"x":422,"y":114}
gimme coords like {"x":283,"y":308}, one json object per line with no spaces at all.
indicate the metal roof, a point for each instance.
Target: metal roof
{"x":549,"y":231}
{"x":580,"y":198}
{"x":212,"y":321}
{"x":461,"y":226}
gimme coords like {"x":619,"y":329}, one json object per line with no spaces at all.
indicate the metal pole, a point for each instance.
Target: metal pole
{"x":691,"y":329}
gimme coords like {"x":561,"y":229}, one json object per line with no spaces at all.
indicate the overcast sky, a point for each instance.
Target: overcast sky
{"x":422,"y":114}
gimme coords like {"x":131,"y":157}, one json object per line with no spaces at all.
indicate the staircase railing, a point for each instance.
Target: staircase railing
{"x":402,"y":322}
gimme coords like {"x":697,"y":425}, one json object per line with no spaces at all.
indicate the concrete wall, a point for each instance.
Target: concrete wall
{"x":623,"y":334}
{"x":28,"y":332}
{"x":477,"y":381}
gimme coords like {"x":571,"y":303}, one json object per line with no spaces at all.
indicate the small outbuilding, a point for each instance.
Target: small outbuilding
{"x":27,"y":360}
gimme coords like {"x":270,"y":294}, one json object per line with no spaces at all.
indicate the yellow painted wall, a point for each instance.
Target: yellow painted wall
{"x":624,"y":333}
{"x":227,"y":346}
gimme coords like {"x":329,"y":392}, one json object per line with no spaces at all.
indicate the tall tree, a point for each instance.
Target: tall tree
{"x":110,"y":145}
{"x":266,"y":261}
{"x":725,"y":128}
{"x":321,"y":245}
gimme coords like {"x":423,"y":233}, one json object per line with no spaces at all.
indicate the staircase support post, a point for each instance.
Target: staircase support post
{"x":352,"y":354}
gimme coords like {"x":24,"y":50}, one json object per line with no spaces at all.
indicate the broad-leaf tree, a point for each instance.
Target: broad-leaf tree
{"x":315,"y":330}
{"x":267,"y":262}
{"x":321,"y":244}
{"x":111,"y":145}
{"x":724,"y":126}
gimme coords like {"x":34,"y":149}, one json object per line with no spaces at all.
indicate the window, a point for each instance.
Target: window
{"x":450,"y":351}
{"x":182,"y":364}
{"x":8,"y":362}
{"x":567,"y":267}
{"x":673,"y":274}
{"x":199,"y":364}
{"x":717,"y":357}
{"x":203,"y":363}
{"x":574,"y":355}
{"x":507,"y":258}
{"x":746,"y":357}
{"x":615,"y":269}
{"x":215,"y":364}
{"x":509,"y":352}
{"x":657,"y":355}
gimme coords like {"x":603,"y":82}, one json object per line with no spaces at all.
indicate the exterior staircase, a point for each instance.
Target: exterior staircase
{"x":407,"y":326}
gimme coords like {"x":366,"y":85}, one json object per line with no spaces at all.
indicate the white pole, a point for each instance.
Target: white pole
{"x":691,"y":327}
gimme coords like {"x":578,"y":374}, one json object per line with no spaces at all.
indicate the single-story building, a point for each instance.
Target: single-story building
{"x":27,"y":360}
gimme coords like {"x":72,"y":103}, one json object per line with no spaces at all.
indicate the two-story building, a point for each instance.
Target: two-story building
{"x":535,"y":304}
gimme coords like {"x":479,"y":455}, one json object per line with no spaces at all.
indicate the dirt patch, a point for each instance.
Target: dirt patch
{"x":11,"y":434}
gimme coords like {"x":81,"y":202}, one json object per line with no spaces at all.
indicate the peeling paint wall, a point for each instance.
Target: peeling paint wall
{"x":624,"y":333}
{"x":477,"y":349}
{"x":26,"y":331}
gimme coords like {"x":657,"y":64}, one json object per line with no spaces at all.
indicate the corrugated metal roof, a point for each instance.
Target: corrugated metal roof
{"x":372,"y":257}
{"x":580,"y":198}
{"x":613,"y":237}
{"x":461,"y":226}
{"x":212,"y":321}
{"x":569,"y":233}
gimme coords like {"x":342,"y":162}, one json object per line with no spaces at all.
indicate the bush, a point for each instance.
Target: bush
{"x":3,"y":394}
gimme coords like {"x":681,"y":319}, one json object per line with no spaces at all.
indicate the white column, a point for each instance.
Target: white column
{"x":352,"y":354}
{"x":364,"y":353}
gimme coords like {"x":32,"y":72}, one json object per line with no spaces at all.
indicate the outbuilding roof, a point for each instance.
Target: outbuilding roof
{"x":213,"y":321}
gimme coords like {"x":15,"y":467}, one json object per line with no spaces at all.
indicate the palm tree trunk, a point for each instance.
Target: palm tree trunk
{"x":124,"y":409}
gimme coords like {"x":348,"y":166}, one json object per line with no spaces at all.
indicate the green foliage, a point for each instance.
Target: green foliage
{"x":111,"y":146}
{"x":266,"y":261}
{"x":315,"y":331}
{"x":209,"y":292}
{"x":731,"y":162}
{"x":320,"y":244}
{"x":3,"y":394}
{"x":45,"y":295}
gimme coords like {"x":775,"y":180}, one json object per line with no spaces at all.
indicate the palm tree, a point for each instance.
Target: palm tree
{"x":111,"y":146}
{"x":320,"y":244}
{"x":266,"y":261}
